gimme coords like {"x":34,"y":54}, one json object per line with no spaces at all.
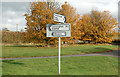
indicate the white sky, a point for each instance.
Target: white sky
{"x":13,"y":10}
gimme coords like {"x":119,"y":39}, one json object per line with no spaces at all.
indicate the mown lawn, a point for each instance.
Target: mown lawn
{"x":48,"y":51}
{"x":84,"y":65}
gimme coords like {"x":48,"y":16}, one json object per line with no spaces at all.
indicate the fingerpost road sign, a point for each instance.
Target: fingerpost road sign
{"x":58,"y":30}
{"x":59,"y":18}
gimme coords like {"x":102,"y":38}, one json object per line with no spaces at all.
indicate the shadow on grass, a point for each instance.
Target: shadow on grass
{"x":102,"y":51}
{"x":12,"y":62}
{"x":95,"y":50}
{"x":101,"y":48}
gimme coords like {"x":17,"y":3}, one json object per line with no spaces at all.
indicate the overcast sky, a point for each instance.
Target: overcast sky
{"x":13,"y":11}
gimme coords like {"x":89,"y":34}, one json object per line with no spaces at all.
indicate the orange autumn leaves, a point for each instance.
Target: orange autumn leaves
{"x":96,"y":26}
{"x":40,"y":14}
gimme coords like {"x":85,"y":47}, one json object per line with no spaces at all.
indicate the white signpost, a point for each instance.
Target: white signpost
{"x":59,"y":30}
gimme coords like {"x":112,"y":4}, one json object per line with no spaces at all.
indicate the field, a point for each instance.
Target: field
{"x":85,"y":65}
{"x":15,"y":51}
{"x":79,"y":65}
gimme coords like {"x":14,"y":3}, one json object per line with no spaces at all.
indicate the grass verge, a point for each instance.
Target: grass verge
{"x":37,"y":51}
{"x":85,"y":65}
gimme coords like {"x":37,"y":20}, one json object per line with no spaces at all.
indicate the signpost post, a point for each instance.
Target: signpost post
{"x":59,"y":30}
{"x":59,"y":56}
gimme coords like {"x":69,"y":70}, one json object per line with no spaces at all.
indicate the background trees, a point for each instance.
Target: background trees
{"x":96,"y":26}
{"x":10,"y":37}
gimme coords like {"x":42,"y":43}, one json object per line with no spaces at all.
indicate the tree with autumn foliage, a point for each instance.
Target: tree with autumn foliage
{"x":72,"y":17}
{"x":97,"y":26}
{"x":39,"y":15}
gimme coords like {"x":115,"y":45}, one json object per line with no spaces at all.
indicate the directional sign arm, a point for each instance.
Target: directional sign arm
{"x":61,"y":27}
{"x":59,"y":18}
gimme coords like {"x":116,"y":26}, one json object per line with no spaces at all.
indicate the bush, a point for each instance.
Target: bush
{"x":13,"y":37}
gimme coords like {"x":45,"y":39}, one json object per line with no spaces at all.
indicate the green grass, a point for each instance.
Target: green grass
{"x":47,"y":51}
{"x":84,"y":65}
